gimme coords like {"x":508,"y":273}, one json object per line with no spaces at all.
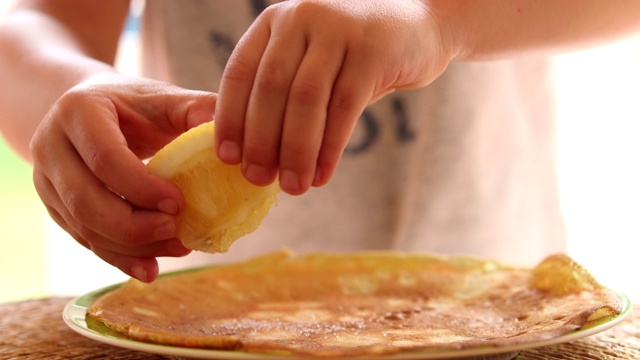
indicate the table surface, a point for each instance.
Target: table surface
{"x":34,"y":329}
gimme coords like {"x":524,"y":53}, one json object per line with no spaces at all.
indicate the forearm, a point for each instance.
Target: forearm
{"x":497,"y":29}
{"x":41,"y":59}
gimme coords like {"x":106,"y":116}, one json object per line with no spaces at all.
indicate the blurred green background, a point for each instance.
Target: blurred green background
{"x":23,"y":254}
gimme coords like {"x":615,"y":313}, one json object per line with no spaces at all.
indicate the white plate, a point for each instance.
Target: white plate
{"x":75,"y":311}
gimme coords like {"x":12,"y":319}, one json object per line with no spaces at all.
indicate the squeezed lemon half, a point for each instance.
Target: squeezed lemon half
{"x":220,"y":204}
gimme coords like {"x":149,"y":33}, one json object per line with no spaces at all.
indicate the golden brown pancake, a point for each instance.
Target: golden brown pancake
{"x":369,"y":303}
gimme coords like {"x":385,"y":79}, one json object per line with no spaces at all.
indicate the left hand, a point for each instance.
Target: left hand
{"x":88,"y":171}
{"x":303,"y":73}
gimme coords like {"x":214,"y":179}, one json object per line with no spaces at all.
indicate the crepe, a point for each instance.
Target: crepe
{"x":371,"y":303}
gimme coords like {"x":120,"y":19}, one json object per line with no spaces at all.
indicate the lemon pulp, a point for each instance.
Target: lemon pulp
{"x":220,"y":204}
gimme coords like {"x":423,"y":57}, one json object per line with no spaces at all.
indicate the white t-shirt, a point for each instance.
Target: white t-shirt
{"x":464,"y":165}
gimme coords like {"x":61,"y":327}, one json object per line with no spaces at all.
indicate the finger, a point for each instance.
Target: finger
{"x":54,"y":206}
{"x":64,"y":225}
{"x":89,"y":238}
{"x":265,"y":114}
{"x":92,"y":207}
{"x":104,"y":150}
{"x":306,"y":115}
{"x":141,"y":265}
{"x":235,"y":90}
{"x":191,"y":109}
{"x":150,"y":122}
{"x":351,"y":94}
{"x":144,"y":269}
{"x":171,"y":247}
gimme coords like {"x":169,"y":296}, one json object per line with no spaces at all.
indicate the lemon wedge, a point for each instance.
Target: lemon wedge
{"x":220,"y":204}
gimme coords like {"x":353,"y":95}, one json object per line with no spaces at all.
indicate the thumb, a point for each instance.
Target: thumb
{"x":195,"y":109}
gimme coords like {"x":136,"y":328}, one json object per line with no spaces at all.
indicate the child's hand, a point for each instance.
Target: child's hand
{"x":88,"y":172}
{"x":304,"y":72}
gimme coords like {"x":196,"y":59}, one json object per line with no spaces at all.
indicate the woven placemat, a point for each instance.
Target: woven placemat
{"x":34,"y":329}
{"x":619,"y":342}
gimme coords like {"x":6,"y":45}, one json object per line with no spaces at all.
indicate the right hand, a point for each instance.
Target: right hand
{"x":88,"y":171}
{"x":300,"y":77}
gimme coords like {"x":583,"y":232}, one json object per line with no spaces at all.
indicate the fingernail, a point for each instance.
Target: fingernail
{"x":139,"y":273}
{"x":169,"y":206}
{"x":257,"y":174}
{"x":229,"y":152}
{"x":165,"y":231}
{"x":290,"y":181}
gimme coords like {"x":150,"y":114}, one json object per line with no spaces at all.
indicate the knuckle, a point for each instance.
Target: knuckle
{"x":72,"y":100}
{"x":307,"y":92}
{"x":332,"y":149}
{"x":272,"y":78}
{"x":36,"y":148}
{"x":43,"y":187}
{"x":343,"y":103}
{"x":79,"y":208}
{"x":308,"y":10}
{"x":237,"y":70}
{"x":100,"y":161}
{"x":68,"y":99}
{"x":259,"y":151}
{"x":299,"y":156}
{"x":134,"y":232}
{"x":198,"y":100}
{"x":299,"y":11}
{"x":128,"y":235}
{"x":85,"y":234}
{"x":296,"y":148}
{"x":124,"y":231}
{"x":208,"y":98}
{"x":125,"y":234}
